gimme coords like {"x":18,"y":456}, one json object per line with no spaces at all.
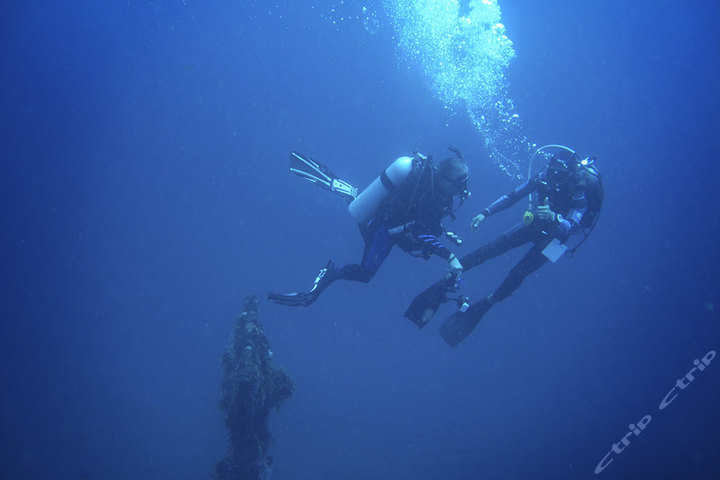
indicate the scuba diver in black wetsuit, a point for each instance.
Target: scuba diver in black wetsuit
{"x":404,"y":206}
{"x":566,"y":197}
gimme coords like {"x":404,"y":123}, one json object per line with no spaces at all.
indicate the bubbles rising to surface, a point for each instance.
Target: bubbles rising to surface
{"x":462,"y":51}
{"x":352,"y":11}
{"x":464,"y":58}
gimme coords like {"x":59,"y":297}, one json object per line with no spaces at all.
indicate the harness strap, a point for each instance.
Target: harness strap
{"x":387,"y":182}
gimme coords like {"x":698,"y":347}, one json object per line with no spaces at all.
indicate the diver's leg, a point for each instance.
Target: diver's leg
{"x":532,"y":260}
{"x":512,"y":238}
{"x":456,"y":328}
{"x":427,"y":303}
{"x":377,"y":248}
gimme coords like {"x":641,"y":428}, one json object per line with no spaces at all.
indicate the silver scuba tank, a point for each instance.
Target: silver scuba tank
{"x":365,"y":206}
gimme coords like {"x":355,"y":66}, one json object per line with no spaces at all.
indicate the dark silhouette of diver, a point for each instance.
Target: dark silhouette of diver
{"x":566,"y":197}
{"x":404,"y":206}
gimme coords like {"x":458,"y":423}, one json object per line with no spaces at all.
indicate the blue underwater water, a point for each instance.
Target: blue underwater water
{"x":145,"y":191}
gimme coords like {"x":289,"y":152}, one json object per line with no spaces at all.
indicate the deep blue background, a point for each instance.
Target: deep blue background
{"x":144,"y":191}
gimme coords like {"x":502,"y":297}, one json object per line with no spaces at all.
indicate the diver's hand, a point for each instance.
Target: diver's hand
{"x":476,"y":221}
{"x":544,"y":212}
{"x":454,"y":267}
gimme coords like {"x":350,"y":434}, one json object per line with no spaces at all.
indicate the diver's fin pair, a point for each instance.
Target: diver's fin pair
{"x":460,"y":324}
{"x":425,"y":305}
{"x":314,"y":172}
{"x":304,"y":299}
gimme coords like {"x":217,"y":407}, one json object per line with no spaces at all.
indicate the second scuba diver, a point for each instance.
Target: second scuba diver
{"x":404,"y":206}
{"x":566,"y":197}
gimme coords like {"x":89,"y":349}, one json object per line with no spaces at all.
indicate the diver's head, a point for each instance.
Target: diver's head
{"x":560,"y":169}
{"x":452,"y":176}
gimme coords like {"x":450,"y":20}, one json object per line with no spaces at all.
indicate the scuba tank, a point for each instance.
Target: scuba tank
{"x":365,"y":206}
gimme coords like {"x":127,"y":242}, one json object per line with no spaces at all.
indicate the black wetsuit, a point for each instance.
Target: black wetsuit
{"x":411,"y":219}
{"x":567,"y":199}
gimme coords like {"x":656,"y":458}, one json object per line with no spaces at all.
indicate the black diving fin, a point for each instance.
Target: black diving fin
{"x":317,"y":173}
{"x":460,"y":324}
{"x":305,"y":299}
{"x":424,"y":306}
